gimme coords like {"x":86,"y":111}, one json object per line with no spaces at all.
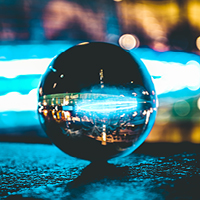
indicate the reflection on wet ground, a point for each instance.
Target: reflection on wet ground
{"x":154,"y":171}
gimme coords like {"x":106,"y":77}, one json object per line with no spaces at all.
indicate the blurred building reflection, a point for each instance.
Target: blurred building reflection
{"x":105,"y":118}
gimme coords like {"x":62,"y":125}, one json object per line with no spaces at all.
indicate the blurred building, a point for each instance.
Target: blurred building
{"x":164,"y":34}
{"x":162,"y":25}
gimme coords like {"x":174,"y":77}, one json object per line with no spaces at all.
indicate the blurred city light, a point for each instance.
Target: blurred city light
{"x":128,"y":41}
{"x":198,"y":103}
{"x":171,"y":76}
{"x":14,"y":68}
{"x":163,"y":34}
{"x":14,"y":101}
{"x":179,"y":105}
{"x":22,"y":77}
{"x":198,"y":43}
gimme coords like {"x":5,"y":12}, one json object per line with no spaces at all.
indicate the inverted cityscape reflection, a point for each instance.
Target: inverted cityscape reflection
{"x":104,"y":117}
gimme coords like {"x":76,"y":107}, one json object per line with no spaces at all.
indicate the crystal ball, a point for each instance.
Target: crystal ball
{"x":97,"y":101}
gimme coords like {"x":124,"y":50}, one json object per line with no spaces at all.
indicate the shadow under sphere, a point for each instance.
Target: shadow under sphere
{"x":97,"y":101}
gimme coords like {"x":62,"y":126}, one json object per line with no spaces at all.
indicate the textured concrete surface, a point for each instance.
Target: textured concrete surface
{"x":154,"y":171}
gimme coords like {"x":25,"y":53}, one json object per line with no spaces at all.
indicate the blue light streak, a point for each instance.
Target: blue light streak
{"x":108,"y":106}
{"x":21,"y":67}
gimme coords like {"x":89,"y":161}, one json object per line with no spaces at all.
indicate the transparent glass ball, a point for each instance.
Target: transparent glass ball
{"x":97,"y":101}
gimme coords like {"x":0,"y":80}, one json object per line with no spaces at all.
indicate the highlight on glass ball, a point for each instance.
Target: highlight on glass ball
{"x":97,"y":101}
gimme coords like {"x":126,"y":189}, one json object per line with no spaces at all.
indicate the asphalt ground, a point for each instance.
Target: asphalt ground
{"x":155,"y":171}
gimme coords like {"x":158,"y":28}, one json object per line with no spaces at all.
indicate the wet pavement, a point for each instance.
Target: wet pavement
{"x":154,"y":171}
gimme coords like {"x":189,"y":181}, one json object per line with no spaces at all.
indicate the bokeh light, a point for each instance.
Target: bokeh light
{"x":128,"y":41}
{"x":182,"y":108}
{"x":198,"y":103}
{"x":198,"y":43}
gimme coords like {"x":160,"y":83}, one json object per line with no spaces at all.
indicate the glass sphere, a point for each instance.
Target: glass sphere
{"x":97,"y":101}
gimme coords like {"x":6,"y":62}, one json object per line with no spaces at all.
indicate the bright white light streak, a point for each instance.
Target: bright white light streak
{"x":171,"y":76}
{"x":15,"y":101}
{"x":108,"y":106}
{"x":174,"y":76}
{"x":14,"y":68}
{"x":193,"y":71}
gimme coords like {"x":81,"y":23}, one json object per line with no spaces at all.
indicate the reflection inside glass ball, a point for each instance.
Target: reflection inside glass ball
{"x":97,"y":116}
